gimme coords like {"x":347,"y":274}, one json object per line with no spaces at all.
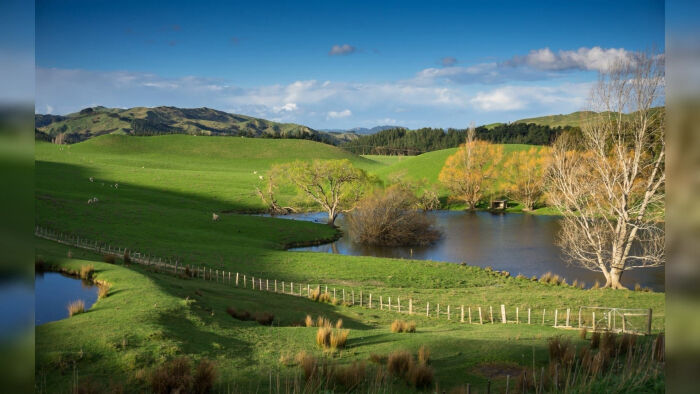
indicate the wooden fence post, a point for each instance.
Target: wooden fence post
{"x":360,"y":298}
{"x":623,"y":323}
{"x":491,"y":313}
{"x":398,"y":303}
{"x":649,"y":322}
{"x":410,"y":306}
{"x":461,"y":314}
{"x":291,"y":287}
{"x":389,"y":303}
{"x":517,"y":315}
{"x":353,"y":297}
{"x":543,"y":312}
{"x":334,"y":293}
{"x":556,"y":312}
{"x":469,"y":311}
{"x":370,"y":300}
{"x":343,"y":295}
{"x":481,"y":321}
{"x":267,"y":284}
{"x":579,"y":317}
{"x":448,"y":312}
{"x":275,"y":285}
{"x":427,"y":309}
{"x":381,"y":303}
{"x":568,"y":311}
{"x":308,"y":290}
{"x":528,"y":315}
{"x":437,"y":313}
{"x":503,"y":314}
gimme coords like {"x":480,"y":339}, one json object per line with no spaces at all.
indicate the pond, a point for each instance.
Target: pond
{"x":54,"y":291}
{"x":517,"y":243}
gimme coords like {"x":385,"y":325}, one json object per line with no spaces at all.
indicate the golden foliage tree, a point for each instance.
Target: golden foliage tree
{"x":524,"y":174}
{"x":471,"y":170}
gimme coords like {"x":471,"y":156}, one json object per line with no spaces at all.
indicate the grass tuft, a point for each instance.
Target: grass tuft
{"x":76,"y":307}
{"x":309,"y":321}
{"x":420,"y":376}
{"x":423,"y":355}
{"x":103,"y":290}
{"x":399,"y":362}
{"x":402,"y":326}
{"x":86,"y":271}
{"x":339,"y":338}
{"x":595,"y":340}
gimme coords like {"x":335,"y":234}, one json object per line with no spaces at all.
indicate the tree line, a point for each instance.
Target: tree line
{"x":400,"y":141}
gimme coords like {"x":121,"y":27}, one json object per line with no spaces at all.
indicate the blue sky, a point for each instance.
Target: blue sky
{"x":329,"y":64}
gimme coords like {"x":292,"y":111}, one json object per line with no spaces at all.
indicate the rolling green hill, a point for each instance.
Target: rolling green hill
{"x":91,"y":122}
{"x":574,"y":119}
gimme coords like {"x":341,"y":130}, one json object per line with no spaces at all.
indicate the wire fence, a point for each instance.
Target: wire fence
{"x":635,"y":321}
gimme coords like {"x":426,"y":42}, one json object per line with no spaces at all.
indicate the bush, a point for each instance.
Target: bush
{"x":308,"y":364}
{"x":174,"y":376}
{"x":236,"y":314}
{"x":420,"y":375}
{"x":423,"y":355}
{"x":76,"y":307}
{"x":402,"y":326}
{"x":595,"y":340}
{"x":204,"y":377}
{"x":108,"y":258}
{"x":86,"y":271}
{"x":399,"y":362}
{"x":608,"y":343}
{"x":126,"y":257}
{"x":390,"y":218}
{"x":350,"y":376}
{"x":103,"y":290}
{"x":264,"y":318}
{"x":377,"y":358}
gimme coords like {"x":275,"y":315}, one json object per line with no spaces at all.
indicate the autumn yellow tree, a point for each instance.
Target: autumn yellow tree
{"x":524,"y":174}
{"x":471,"y":170}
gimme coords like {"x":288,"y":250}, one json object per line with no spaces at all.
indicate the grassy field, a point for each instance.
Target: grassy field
{"x":169,"y":186}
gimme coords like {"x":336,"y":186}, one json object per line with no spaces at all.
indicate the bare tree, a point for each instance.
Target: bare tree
{"x":611,"y":190}
{"x":267,"y":192}
{"x":334,"y":185}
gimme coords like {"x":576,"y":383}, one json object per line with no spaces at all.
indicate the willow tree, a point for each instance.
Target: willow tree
{"x":469,"y":172}
{"x":610,"y":190}
{"x":524,"y":174}
{"x":334,"y":186}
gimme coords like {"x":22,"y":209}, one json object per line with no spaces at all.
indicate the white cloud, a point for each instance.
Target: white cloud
{"x":344,"y":49}
{"x":339,"y":114}
{"x":510,"y":98}
{"x":288,"y":107}
{"x":589,"y":59}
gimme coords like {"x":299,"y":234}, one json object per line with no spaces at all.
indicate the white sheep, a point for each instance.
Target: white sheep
{"x":214,"y":217}
{"x":116,"y":186}
{"x":92,"y":179}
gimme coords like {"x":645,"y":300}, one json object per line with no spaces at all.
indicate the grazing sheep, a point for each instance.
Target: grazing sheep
{"x":260,"y":176}
{"x":214,"y":217}
{"x":92,"y":179}
{"x":116,"y":186}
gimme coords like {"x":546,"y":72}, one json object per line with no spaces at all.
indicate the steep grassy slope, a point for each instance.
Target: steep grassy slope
{"x":97,"y":121}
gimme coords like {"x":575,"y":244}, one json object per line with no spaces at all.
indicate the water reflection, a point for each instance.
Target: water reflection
{"x":517,"y":243}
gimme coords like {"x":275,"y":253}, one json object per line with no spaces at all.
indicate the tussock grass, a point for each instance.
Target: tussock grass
{"x":264,"y":318}
{"x":204,"y":376}
{"x":323,"y":337}
{"x":423,"y":355}
{"x":308,"y":364}
{"x":339,"y":338}
{"x":175,"y":376}
{"x":399,"y":362}
{"x":76,"y":307}
{"x":108,"y":258}
{"x":420,"y":376}
{"x":103,"y":290}
{"x":595,"y":340}
{"x":309,"y":321}
{"x":339,"y":324}
{"x":86,"y":271}
{"x":378,"y":358}
{"x":351,"y":376}
{"x":399,"y":326}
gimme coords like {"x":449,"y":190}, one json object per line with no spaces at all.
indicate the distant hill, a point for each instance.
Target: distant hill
{"x":363,"y":130}
{"x":574,"y":119}
{"x":91,"y":122}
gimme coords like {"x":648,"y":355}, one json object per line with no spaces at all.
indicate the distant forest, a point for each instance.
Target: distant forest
{"x":414,"y":142}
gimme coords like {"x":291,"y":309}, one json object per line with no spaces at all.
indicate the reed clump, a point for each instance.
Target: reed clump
{"x":86,"y":271}
{"x":76,"y":307}
{"x":400,"y":326}
{"x":103,"y":290}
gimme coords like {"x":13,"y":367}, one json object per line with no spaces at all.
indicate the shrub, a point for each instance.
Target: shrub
{"x":308,"y":364}
{"x":174,"y":376}
{"x":595,"y":340}
{"x":420,"y":375}
{"x":309,"y":321}
{"x":103,"y":290}
{"x":402,"y":326}
{"x":204,"y":377}
{"x":236,"y":314}
{"x":423,"y":355}
{"x":389,"y":218}
{"x":399,"y":362}
{"x":339,"y":338}
{"x":323,"y":336}
{"x":608,"y":343}
{"x":76,"y":307}
{"x":108,"y":258}
{"x":86,"y":271}
{"x":264,"y":318}
{"x":350,"y":376}
{"x":377,"y":358}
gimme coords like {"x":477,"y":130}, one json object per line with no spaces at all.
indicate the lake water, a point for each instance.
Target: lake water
{"x":54,"y":291}
{"x":517,"y":243}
